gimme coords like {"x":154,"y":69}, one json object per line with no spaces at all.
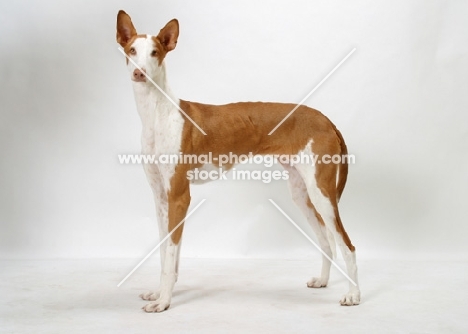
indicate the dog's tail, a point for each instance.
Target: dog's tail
{"x":340,"y":185}
{"x":331,"y":242}
{"x":343,"y":167}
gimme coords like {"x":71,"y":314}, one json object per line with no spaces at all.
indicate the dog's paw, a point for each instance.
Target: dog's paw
{"x":149,"y":295}
{"x":351,"y":298}
{"x":317,"y":282}
{"x":157,"y":306}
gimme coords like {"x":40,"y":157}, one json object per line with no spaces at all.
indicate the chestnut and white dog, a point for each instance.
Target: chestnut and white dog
{"x":238,"y":128}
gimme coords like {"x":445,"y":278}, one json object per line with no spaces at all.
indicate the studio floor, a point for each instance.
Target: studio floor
{"x":231,"y":296}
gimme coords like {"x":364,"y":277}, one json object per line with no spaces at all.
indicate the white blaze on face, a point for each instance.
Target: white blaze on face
{"x":144,"y":46}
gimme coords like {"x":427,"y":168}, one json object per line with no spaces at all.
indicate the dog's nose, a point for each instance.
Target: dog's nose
{"x":139,"y":75}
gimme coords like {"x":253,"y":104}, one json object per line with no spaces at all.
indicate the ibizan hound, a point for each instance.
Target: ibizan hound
{"x":178,"y":126}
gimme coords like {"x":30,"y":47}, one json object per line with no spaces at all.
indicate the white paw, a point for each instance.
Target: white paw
{"x":157,"y":306}
{"x":149,"y":295}
{"x":317,"y":283}
{"x":351,"y":298}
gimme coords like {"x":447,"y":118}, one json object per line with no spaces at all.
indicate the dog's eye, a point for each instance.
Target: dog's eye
{"x":154,"y":53}
{"x":132,"y":51}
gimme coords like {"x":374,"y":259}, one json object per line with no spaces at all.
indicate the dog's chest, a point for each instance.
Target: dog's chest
{"x":162,"y":123}
{"x":162,"y":130}
{"x":161,"y":136}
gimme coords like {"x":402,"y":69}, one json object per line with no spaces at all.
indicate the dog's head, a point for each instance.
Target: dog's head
{"x":146,"y":51}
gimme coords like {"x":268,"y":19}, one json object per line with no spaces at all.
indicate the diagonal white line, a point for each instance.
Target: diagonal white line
{"x":162,"y":91}
{"x":313,"y":90}
{"x":313,"y":242}
{"x":160,"y":243}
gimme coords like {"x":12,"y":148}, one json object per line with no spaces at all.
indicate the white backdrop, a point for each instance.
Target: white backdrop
{"x":67,"y":111}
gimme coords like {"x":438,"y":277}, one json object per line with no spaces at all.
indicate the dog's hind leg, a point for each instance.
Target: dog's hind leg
{"x":301,"y":199}
{"x":321,"y":186}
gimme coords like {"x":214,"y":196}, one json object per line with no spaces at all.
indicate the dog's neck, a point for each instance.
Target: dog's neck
{"x":149,"y":98}
{"x":159,"y":117}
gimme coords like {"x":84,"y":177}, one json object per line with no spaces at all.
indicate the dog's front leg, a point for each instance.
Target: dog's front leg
{"x":156,"y":183}
{"x":178,"y":202}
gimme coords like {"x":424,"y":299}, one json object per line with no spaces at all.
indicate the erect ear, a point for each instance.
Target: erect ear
{"x":169,"y":34}
{"x":125,"y":28}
